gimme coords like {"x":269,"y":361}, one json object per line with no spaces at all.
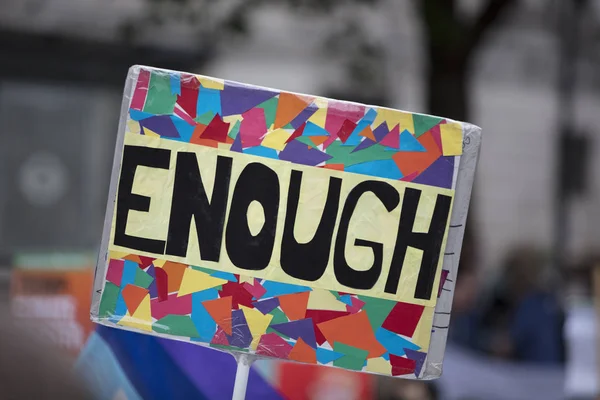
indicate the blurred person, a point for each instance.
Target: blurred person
{"x":30,"y":369}
{"x":523,"y":321}
{"x":463,"y":322}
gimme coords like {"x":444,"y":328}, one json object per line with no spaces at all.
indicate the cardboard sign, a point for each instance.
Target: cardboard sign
{"x":283,"y":225}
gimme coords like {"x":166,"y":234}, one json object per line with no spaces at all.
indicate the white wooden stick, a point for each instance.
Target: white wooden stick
{"x":241,"y":377}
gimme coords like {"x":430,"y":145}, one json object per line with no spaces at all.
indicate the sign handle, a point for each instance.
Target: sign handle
{"x":241,"y":376}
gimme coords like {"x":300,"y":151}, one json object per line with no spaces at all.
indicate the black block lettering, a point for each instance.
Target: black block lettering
{"x":257,"y":182}
{"x":308,"y":261}
{"x":191,"y":201}
{"x":133,"y":156}
{"x":344,"y":273}
{"x":430,"y":242}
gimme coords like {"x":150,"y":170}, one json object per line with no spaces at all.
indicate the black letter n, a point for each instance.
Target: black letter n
{"x":190,"y":200}
{"x":430,"y":242}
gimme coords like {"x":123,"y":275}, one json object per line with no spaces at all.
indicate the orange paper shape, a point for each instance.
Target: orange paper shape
{"x":337,"y":167}
{"x":133,"y":257}
{"x":368,"y":133}
{"x":353,"y":330}
{"x":220,"y":311}
{"x":175,"y":272}
{"x":288,"y":108}
{"x":418,"y":161}
{"x":303,"y":353}
{"x":198,"y":131}
{"x":317,"y":140}
{"x":133,"y":296}
{"x":294,"y":305}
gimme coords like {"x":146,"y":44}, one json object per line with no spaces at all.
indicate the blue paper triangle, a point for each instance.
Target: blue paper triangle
{"x":175,"y":84}
{"x":137,"y":115}
{"x":393,"y":343}
{"x":184,"y":129}
{"x":224,"y":275}
{"x":346,"y":299}
{"x":314,"y":130}
{"x":275,"y":289}
{"x":409,"y":143}
{"x":325,"y":356}
{"x":262,"y":152}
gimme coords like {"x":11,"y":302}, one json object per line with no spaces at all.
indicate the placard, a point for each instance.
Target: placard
{"x":282,"y":225}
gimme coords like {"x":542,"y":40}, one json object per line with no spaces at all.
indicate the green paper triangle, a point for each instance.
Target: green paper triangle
{"x":377,"y":310}
{"x":142,"y":279}
{"x":423,"y":123}
{"x":235,"y":130}
{"x":270,"y":108}
{"x":108,"y":303}
{"x":202,"y":269}
{"x":353,"y":359}
{"x":159,"y":99}
{"x":205,"y":118}
{"x":306,"y":140}
{"x":343,"y":154}
{"x":178,"y":325}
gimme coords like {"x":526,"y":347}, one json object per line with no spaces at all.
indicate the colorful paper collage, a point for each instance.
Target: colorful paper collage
{"x":236,"y":312}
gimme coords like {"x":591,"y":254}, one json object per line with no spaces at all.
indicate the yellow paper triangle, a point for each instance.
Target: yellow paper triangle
{"x":320,"y":299}
{"x":276,"y":139}
{"x":232,"y":119}
{"x":257,"y":322}
{"x":133,"y":126}
{"x":159,"y":263}
{"x":197,"y":281}
{"x":379,"y":365}
{"x":319,"y":117}
{"x":141,"y":318}
{"x":151,"y":133}
{"x":422,"y":333}
{"x":393,"y":118}
{"x":249,"y":279}
{"x":117,"y":255}
{"x":211,"y":83}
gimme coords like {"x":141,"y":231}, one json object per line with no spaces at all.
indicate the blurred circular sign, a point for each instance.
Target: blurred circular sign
{"x":43,"y":179}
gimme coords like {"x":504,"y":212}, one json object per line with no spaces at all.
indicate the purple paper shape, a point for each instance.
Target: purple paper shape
{"x":153,"y":290}
{"x":266,"y":306}
{"x":438,"y":174}
{"x":418,"y":357}
{"x":443,"y":278}
{"x":210,"y":371}
{"x":304,"y":115}
{"x":240,"y":332}
{"x":381,"y":131}
{"x":161,"y":124}
{"x":299,"y":153}
{"x":302,"y":328}
{"x":364,"y":145}
{"x":237,"y":99}
{"x":237,"y":144}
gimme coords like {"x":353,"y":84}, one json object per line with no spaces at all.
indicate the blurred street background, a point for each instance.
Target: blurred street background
{"x":526,"y":71}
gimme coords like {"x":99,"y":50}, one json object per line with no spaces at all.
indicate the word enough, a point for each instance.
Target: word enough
{"x":260,"y":183}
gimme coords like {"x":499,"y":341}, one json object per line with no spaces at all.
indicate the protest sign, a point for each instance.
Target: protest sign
{"x":282,"y":225}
